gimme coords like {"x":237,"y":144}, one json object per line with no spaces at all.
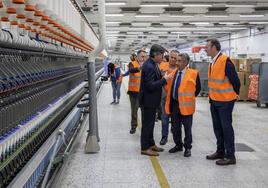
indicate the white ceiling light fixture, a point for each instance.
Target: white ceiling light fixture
{"x":204,"y":32}
{"x":236,"y":28}
{"x":240,"y":5}
{"x":197,"y":5}
{"x":199,"y":23}
{"x":113,"y":22}
{"x":216,"y":16}
{"x":180,"y":32}
{"x":229,"y":23}
{"x":258,"y":22}
{"x":251,"y":15}
{"x":115,"y":3}
{"x":146,"y":16}
{"x":181,"y":16}
{"x":111,"y":32}
{"x":114,"y":15}
{"x":154,"y":5}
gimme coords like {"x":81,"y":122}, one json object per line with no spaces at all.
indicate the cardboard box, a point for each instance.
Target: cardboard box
{"x":244,"y":81}
{"x":245,"y":64}
{"x":236,"y":63}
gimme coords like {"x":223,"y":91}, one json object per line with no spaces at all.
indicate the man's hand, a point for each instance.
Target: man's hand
{"x":167,"y":76}
{"x":237,"y":98}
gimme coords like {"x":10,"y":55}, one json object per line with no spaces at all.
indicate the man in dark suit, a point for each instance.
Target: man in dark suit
{"x":150,"y":98}
{"x":224,"y":85}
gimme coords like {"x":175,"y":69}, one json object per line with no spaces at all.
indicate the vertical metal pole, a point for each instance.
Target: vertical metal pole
{"x":92,"y":145}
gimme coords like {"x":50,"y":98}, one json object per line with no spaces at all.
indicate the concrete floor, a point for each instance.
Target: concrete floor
{"x":119,"y":163}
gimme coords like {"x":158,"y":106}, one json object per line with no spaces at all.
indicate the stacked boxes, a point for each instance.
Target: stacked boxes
{"x":236,"y":63}
{"x":245,"y":64}
{"x":243,"y":68}
{"x":244,"y":80}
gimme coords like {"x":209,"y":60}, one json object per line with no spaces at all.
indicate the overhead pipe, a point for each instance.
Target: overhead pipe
{"x":92,"y":145}
{"x":102,"y":32}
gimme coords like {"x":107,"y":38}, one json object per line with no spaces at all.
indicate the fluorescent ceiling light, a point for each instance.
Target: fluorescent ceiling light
{"x":112,"y":32}
{"x":180,"y":32}
{"x":154,"y":5}
{"x":199,"y":23}
{"x":236,"y":28}
{"x":113,"y":22}
{"x":204,"y":32}
{"x":229,"y":23}
{"x":197,"y":5}
{"x":146,"y":16}
{"x":216,"y":16}
{"x":239,"y":5}
{"x":258,"y":22}
{"x":181,"y":16}
{"x":115,"y":3}
{"x":114,"y":15}
{"x":251,"y":15}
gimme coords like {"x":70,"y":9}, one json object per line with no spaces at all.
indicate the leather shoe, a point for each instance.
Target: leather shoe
{"x":163,"y":140}
{"x":175,"y":149}
{"x":149,"y":152}
{"x":157,"y":149}
{"x":215,"y":156}
{"x":132,"y":130}
{"x":187,"y":153}
{"x":224,"y":162}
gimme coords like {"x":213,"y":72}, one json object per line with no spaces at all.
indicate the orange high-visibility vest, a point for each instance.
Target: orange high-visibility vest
{"x":186,"y":92}
{"x":120,"y":76}
{"x":220,"y":88}
{"x":164,"y":66}
{"x":134,"y":79}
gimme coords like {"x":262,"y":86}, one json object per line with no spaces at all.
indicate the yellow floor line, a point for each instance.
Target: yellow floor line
{"x":156,"y":165}
{"x":159,"y":173}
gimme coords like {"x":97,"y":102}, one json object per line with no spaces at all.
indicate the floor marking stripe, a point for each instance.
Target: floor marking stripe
{"x":159,"y":173}
{"x":161,"y":177}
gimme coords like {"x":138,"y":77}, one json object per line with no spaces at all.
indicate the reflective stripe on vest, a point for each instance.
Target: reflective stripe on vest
{"x":133,"y":76}
{"x":218,"y":80}
{"x":186,"y":94}
{"x":134,"y":84}
{"x":221,"y":90}
{"x":186,"y":103}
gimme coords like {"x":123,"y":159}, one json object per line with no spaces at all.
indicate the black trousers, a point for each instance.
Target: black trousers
{"x":177,"y":120}
{"x":147,"y":129}
{"x":221,"y":113}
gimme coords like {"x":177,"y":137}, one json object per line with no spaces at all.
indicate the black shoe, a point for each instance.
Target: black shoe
{"x":175,"y":149}
{"x":117,"y":102}
{"x":112,"y":102}
{"x":215,"y":156}
{"x":132,"y":130}
{"x":224,"y":162}
{"x":187,"y":153}
{"x":163,"y":140}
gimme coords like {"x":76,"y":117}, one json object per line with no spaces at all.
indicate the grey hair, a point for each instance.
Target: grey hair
{"x":185,"y":57}
{"x":175,"y":51}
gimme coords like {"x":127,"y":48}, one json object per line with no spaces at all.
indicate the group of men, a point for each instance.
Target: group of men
{"x":175,"y":86}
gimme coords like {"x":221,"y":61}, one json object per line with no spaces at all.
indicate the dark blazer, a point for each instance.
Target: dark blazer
{"x":151,"y":85}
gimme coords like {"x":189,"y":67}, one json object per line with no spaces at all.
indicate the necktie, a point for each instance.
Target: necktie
{"x":176,"y":86}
